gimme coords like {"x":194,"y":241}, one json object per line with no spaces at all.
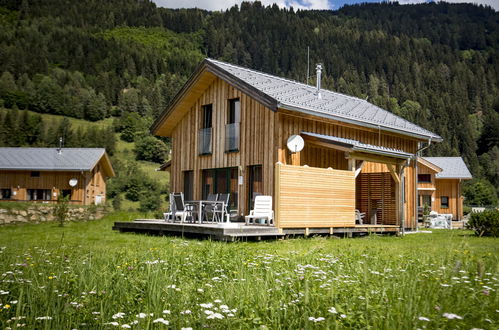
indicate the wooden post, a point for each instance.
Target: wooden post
{"x":295,"y":158}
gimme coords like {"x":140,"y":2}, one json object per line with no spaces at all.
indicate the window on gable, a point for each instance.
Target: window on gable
{"x":232,"y":126}
{"x":35,"y":174}
{"x":424,"y":178}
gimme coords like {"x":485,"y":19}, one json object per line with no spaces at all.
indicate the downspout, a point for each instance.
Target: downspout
{"x":416,"y":155}
{"x":402,"y":195}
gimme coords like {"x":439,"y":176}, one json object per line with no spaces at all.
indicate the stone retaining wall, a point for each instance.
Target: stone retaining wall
{"x":37,"y":214}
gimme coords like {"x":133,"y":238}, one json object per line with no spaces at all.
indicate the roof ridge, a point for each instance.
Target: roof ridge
{"x":285,"y":79}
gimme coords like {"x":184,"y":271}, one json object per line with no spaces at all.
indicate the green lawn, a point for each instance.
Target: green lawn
{"x":86,"y":276}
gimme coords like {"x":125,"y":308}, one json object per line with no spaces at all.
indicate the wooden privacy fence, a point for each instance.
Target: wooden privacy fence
{"x":308,"y":197}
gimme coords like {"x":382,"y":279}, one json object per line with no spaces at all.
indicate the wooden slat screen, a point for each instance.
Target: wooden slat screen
{"x":308,"y":197}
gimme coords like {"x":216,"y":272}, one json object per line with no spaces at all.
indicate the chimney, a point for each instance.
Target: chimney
{"x":319,"y":71}
{"x":59,"y":150}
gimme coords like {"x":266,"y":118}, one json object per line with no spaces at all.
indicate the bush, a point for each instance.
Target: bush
{"x":117,"y":203}
{"x":149,"y":202}
{"x":150,"y":149}
{"x":485,"y":223}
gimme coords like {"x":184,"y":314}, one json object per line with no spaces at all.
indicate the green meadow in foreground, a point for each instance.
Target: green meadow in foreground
{"x":85,"y":276}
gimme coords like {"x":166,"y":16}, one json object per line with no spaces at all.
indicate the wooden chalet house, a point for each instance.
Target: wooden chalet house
{"x":439,"y":184}
{"x":229,"y":127}
{"x":43,"y":174}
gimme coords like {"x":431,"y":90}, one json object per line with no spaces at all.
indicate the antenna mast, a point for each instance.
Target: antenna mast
{"x":308,"y":63}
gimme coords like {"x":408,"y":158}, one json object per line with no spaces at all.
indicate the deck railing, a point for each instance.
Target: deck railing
{"x":204,"y":141}
{"x":232,"y":137}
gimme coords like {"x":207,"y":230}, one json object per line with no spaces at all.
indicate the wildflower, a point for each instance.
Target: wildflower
{"x":185,"y":312}
{"x":112,"y":323}
{"x":126,"y":326}
{"x":200,"y":290}
{"x":4,"y":292}
{"x":141,"y":315}
{"x":332,"y":310}
{"x":452,"y":316}
{"x":422,"y":318}
{"x":186,"y":329}
{"x":445,"y":285}
{"x":215,"y":316}
{"x":343,"y":316}
{"x":486,"y":292}
{"x":313,"y":319}
{"x":208,"y":305}
{"x":218,"y":301}
{"x":96,"y":313}
{"x":161,"y":320}
{"x":166,"y":311}
{"x":7,"y":306}
{"x":43,"y":318}
{"x":118,"y":315}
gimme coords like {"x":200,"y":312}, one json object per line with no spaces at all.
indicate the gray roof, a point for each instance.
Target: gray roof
{"x":48,"y":159}
{"x":292,"y":95}
{"x":359,"y":146}
{"x":452,"y":167}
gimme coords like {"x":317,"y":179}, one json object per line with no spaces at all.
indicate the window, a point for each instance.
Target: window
{"x":204,"y":137}
{"x":35,"y":174}
{"x":5,"y":193}
{"x":234,"y":111}
{"x":207,"y":115}
{"x":424,"y":178}
{"x":66,"y":193}
{"x":39,"y":194}
{"x":188,"y":185}
{"x":221,"y":181}
{"x":444,"y":202}
{"x":232,"y":126}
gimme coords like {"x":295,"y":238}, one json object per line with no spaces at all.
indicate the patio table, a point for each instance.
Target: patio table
{"x":200,"y":207}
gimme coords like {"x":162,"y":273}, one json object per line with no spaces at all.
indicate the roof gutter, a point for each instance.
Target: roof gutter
{"x":357,"y":122}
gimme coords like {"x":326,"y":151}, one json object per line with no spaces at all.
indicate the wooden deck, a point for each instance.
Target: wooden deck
{"x":239,"y":231}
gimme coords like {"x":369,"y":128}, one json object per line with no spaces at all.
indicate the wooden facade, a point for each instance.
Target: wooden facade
{"x":46,"y":186}
{"x":262,"y":143}
{"x":437,"y":192}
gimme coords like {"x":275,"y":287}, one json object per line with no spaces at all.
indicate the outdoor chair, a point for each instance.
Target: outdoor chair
{"x":182,"y":210}
{"x":220,"y":210}
{"x":359,"y":217}
{"x":169,"y":215}
{"x":262,"y":210}
{"x":209,"y":208}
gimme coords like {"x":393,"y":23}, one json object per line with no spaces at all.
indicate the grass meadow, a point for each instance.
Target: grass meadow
{"x":86,"y":276}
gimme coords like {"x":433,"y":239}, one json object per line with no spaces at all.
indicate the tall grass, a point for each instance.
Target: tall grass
{"x":86,"y":276}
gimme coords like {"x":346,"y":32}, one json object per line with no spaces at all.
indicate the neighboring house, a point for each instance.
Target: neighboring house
{"x":439,"y":184}
{"x":42,"y":174}
{"x":229,"y":128}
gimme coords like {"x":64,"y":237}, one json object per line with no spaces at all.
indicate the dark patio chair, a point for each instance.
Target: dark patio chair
{"x":219,"y":210}
{"x":209,"y":208}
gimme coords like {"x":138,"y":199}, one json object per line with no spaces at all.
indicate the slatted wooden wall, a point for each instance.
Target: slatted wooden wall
{"x":449,"y":188}
{"x":314,"y":197}
{"x":377,"y":191}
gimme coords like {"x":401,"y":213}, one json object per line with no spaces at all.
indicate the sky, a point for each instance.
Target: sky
{"x":296,"y":4}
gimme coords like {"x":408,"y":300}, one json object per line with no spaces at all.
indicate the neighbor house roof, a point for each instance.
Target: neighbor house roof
{"x":358,"y":146}
{"x":452,"y":167}
{"x":275,"y":92}
{"x":50,"y":159}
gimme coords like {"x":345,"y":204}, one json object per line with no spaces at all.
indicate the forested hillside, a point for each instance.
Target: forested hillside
{"x":434,"y":64}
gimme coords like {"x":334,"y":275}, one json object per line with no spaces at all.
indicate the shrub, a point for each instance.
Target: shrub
{"x":149,"y":202}
{"x":485,"y":223}
{"x":117,"y":203}
{"x":61,"y":209}
{"x":150,"y":149}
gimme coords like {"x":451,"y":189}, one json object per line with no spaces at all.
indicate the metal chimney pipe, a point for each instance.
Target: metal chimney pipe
{"x":319,"y":72}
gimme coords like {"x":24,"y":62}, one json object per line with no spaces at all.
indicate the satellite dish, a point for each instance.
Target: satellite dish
{"x":295,"y":143}
{"x":73,"y":182}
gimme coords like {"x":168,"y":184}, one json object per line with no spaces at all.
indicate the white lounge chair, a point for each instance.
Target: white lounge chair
{"x":359,"y":216}
{"x":261,"y":210}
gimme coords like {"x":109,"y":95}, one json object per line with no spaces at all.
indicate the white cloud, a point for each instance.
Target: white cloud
{"x":225,"y":4}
